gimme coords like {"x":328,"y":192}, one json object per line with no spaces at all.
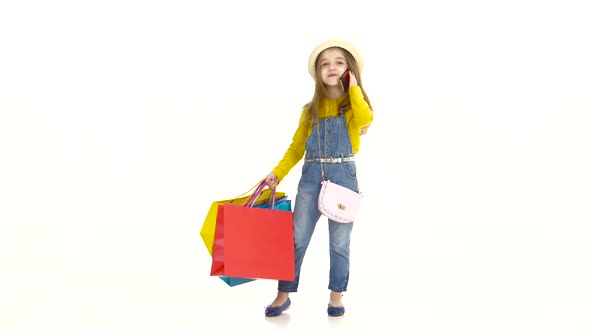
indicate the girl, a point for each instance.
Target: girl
{"x":343,"y":113}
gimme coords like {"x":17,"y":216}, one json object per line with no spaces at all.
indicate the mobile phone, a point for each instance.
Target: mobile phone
{"x":345,"y":80}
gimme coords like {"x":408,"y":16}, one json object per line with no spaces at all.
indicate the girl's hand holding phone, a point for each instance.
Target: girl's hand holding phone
{"x":353,"y":81}
{"x":347,"y":80}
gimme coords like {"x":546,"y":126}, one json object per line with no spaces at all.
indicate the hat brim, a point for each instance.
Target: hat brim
{"x":333,"y":43}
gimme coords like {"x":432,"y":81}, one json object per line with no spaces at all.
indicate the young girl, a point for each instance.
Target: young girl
{"x":343,"y":114}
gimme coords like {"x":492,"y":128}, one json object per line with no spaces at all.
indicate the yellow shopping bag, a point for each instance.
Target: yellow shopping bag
{"x":208,"y":228}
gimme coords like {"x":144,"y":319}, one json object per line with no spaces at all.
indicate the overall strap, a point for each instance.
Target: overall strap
{"x":341,"y":112}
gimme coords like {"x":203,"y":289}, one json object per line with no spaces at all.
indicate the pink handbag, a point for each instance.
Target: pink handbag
{"x":338,"y":203}
{"x":335,"y":201}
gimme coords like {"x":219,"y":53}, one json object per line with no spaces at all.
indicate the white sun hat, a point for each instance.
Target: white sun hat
{"x":334,"y":43}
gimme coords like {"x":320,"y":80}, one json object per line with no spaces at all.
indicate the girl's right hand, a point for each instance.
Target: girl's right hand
{"x":271,"y":181}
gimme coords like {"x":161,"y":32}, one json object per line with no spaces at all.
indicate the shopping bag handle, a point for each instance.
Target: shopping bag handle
{"x":258,"y":192}
{"x":249,"y":190}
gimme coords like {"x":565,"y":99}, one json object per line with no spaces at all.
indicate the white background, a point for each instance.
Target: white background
{"x":121,"y":121}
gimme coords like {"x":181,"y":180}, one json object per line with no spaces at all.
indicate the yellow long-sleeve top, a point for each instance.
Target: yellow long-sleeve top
{"x":358,"y":115}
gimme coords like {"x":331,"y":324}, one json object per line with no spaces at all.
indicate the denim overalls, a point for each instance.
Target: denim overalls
{"x":335,"y":144}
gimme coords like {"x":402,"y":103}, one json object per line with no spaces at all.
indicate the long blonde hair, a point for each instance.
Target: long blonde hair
{"x":321,"y":92}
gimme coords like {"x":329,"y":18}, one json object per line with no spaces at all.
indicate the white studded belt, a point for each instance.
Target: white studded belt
{"x":330,"y":160}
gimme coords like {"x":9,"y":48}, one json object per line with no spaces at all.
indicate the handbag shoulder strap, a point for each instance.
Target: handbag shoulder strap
{"x":320,"y":149}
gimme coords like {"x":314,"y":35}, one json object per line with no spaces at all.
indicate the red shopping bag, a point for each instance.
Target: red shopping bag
{"x":253,"y":242}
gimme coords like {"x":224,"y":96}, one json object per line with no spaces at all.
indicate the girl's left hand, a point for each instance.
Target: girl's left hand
{"x":271,"y":180}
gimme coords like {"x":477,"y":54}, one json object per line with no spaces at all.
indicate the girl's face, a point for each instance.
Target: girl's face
{"x":332,"y":65}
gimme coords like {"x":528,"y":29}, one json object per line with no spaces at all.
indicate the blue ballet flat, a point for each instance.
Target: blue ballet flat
{"x":277,"y":311}
{"x":335,"y":311}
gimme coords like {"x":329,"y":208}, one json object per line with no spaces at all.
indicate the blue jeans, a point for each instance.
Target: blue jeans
{"x":306,"y":216}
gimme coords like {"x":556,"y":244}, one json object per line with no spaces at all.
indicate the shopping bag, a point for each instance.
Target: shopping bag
{"x":281,"y":204}
{"x":235,"y":281}
{"x":253,"y":242}
{"x":208,"y":228}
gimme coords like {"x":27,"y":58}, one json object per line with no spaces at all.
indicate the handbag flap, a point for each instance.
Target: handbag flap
{"x":338,"y":202}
